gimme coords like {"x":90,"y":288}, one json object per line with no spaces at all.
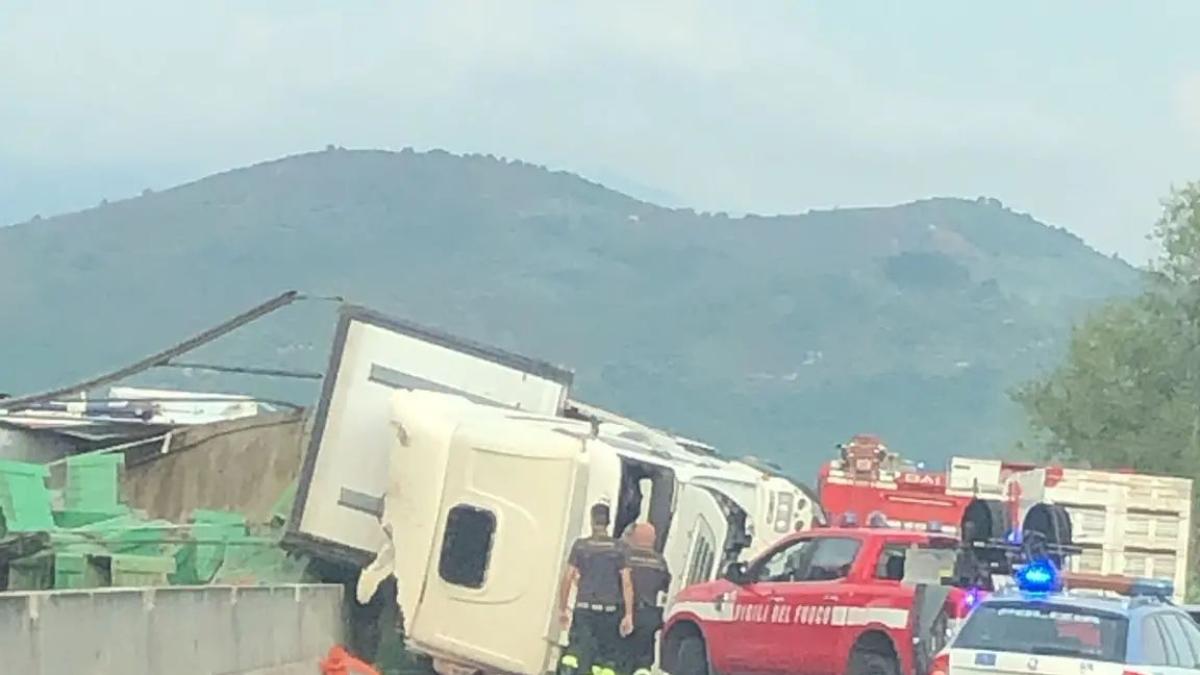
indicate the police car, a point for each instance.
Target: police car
{"x":1038,"y":627}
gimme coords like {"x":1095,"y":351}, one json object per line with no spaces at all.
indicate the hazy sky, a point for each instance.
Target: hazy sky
{"x":1083,"y":113}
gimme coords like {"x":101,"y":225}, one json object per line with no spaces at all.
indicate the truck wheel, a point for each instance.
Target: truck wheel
{"x":692,"y":658}
{"x":863,"y":662}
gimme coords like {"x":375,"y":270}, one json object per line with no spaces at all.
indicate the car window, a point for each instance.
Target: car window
{"x":1192,"y":632}
{"x":1169,"y":643}
{"x":1179,"y":651}
{"x":1154,"y":651}
{"x":820,"y":559}
{"x":831,"y":560}
{"x":1045,"y":629}
{"x":891,"y":562}
{"x":782,"y":564}
{"x":894,"y":557}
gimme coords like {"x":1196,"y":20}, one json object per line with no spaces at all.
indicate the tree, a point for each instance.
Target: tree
{"x":1128,"y":393}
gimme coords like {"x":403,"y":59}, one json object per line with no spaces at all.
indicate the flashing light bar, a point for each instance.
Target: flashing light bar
{"x":1122,"y":585}
{"x":879,"y":520}
{"x":1039,"y":576}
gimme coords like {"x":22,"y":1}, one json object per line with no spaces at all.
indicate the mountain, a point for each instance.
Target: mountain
{"x":777,"y":336}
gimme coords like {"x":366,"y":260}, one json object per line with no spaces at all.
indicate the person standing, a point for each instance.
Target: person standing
{"x":651,"y":581}
{"x":598,"y":572}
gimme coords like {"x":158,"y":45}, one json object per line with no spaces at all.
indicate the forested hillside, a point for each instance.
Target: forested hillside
{"x":777,"y":336}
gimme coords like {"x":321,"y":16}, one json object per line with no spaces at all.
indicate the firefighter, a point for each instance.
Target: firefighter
{"x":651,"y":579}
{"x":598,"y":570}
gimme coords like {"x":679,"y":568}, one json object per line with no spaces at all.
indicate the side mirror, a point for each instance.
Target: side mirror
{"x":736,"y":572}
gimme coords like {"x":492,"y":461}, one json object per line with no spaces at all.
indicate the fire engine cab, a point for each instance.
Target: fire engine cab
{"x":869,"y":477}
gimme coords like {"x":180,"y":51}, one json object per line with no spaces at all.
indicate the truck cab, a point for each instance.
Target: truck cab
{"x":826,"y":602}
{"x":483,"y":505}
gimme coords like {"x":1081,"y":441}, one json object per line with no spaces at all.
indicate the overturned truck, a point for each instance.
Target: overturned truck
{"x":464,"y":473}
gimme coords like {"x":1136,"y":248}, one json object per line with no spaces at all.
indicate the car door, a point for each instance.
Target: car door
{"x":758,"y":637}
{"x":817,"y":599}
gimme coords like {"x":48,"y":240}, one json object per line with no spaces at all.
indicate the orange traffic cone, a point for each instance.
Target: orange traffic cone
{"x":340,"y":662}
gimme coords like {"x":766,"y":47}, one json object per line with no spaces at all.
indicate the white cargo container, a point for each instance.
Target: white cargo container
{"x":339,"y":497}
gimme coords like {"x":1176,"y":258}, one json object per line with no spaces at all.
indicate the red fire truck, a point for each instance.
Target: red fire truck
{"x":869,"y":478}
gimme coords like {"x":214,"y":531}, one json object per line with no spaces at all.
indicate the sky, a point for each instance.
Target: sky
{"x":1083,"y":114}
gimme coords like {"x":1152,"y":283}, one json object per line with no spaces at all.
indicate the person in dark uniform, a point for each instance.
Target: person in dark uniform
{"x":651,"y":580}
{"x":598,"y":571}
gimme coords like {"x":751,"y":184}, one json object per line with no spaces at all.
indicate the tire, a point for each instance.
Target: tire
{"x":691,"y":658}
{"x":863,"y":662}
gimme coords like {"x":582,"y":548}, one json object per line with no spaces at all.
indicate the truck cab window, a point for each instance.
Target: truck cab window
{"x":700,"y":568}
{"x":467,"y":546}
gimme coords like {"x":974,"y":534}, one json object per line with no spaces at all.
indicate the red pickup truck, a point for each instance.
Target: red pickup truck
{"x":823,"y":602}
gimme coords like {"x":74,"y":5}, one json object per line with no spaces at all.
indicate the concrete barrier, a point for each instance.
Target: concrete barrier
{"x":208,"y":630}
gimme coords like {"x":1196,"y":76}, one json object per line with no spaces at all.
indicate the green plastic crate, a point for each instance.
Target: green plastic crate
{"x":69,"y":519}
{"x":259,"y":560}
{"x":93,"y":483}
{"x":141,"y":570}
{"x":129,"y":533}
{"x":198,"y":560}
{"x":79,"y":570}
{"x":24,"y":497}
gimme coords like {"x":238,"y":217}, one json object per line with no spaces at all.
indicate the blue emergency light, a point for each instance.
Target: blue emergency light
{"x":972,"y":598}
{"x":1039,"y":576}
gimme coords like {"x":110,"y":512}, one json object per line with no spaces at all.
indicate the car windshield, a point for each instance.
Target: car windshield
{"x":1045,"y":629}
